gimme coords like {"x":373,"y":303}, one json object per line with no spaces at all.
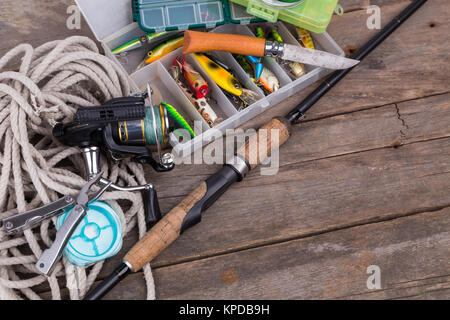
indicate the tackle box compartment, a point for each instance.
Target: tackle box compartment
{"x":115,"y":26}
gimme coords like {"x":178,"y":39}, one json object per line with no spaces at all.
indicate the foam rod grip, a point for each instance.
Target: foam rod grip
{"x":166,"y":231}
{"x":270,"y":136}
{"x":195,"y":41}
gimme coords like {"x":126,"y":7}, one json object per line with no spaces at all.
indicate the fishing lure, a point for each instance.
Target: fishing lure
{"x":175,"y":72}
{"x":259,"y":32}
{"x":195,"y":81}
{"x":220,"y":63}
{"x":269,"y":81}
{"x":226,"y":80}
{"x":220,"y":76}
{"x":161,"y":50}
{"x":207,"y":112}
{"x":245,"y":64}
{"x":140,"y":41}
{"x":201,"y":104}
{"x":275,"y":35}
{"x":298,"y":69}
{"x":178,"y":118}
{"x":305,"y":39}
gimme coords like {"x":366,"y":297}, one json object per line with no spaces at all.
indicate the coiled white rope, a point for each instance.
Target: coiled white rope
{"x":51,"y":82}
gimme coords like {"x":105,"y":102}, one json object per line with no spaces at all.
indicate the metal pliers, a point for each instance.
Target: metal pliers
{"x":28,"y":219}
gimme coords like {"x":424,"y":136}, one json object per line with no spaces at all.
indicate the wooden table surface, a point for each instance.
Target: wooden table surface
{"x":363,"y":181}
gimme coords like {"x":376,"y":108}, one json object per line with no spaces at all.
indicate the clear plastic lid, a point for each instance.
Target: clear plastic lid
{"x":180,"y":14}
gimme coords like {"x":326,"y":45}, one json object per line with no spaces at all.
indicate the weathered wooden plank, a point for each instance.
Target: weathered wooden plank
{"x":433,"y":121}
{"x":35,"y":22}
{"x":411,"y":252}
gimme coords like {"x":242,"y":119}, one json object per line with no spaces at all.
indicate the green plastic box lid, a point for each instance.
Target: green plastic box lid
{"x":313,"y":15}
{"x":160,"y":15}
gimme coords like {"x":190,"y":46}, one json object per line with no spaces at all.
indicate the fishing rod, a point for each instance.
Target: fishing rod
{"x":189,"y":211}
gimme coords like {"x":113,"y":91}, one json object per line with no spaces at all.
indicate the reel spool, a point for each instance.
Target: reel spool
{"x":149,"y":131}
{"x":96,"y":238}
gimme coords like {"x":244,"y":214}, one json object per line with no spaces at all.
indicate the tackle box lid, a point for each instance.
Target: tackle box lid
{"x":106,"y":17}
{"x":161,"y":15}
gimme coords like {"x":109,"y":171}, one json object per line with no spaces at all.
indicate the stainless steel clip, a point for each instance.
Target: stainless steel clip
{"x":50,"y":256}
{"x":29,"y":219}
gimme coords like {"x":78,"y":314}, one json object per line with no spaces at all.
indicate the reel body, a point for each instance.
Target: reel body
{"x":123,"y":127}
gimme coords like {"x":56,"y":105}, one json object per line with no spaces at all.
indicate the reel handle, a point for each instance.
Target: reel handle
{"x":151,"y":206}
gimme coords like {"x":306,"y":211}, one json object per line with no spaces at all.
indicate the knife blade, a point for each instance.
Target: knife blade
{"x":316,"y":57}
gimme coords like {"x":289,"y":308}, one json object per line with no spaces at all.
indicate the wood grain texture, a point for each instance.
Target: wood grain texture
{"x":36,"y":22}
{"x":195,"y":41}
{"x":269,"y":137}
{"x":164,"y":232}
{"x":411,"y":252}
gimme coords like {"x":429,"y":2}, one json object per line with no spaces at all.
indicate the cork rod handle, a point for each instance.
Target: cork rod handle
{"x":164,"y":232}
{"x":268,"y":138}
{"x":195,"y":41}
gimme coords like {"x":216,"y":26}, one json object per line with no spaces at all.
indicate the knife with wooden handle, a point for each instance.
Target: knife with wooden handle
{"x":195,"y":41}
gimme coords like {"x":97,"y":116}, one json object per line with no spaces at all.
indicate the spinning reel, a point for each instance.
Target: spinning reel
{"x":123,"y":127}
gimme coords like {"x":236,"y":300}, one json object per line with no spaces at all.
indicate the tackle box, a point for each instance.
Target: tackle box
{"x":112,"y":23}
{"x":166,"y":15}
{"x":313,"y":15}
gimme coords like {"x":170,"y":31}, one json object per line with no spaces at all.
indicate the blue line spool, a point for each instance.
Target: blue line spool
{"x":97,"y":237}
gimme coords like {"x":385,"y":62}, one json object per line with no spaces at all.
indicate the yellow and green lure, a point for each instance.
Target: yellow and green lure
{"x":226,"y":80}
{"x":221,"y":77}
{"x":161,"y":50}
{"x":139,"y":41}
{"x":305,"y":39}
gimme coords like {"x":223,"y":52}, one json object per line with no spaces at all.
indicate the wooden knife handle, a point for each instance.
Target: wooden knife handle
{"x":195,"y":41}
